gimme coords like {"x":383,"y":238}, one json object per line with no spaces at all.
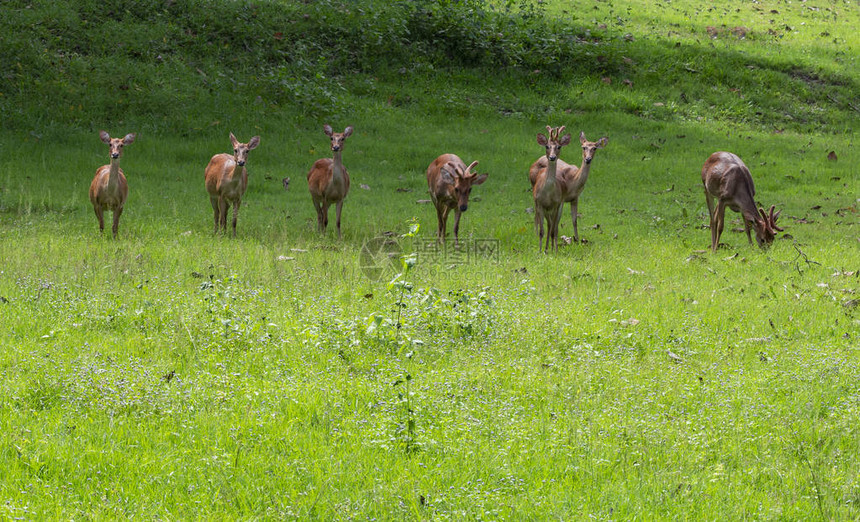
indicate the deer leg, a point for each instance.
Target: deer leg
{"x":574,"y":206}
{"x":215,"y":207}
{"x":323,"y":216}
{"x":457,"y":215}
{"x":338,"y":209}
{"x":116,"y":214}
{"x":236,"y":206}
{"x":747,"y":228}
{"x":443,"y":231}
{"x":222,"y":214}
{"x":550,"y":222}
{"x":717,"y":225}
{"x":100,"y":216}
{"x":710,"y":203}
{"x":539,"y":219}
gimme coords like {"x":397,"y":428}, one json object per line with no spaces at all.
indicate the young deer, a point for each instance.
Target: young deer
{"x":109,"y":189}
{"x":328,"y":180}
{"x":548,"y":188}
{"x":226,"y":180}
{"x":726,"y":178}
{"x":450,"y":182}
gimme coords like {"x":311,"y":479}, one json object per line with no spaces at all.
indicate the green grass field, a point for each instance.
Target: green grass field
{"x":176,"y":374}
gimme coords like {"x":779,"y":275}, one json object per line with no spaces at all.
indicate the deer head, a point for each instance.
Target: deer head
{"x":766,"y":227}
{"x":463,"y":181}
{"x":553,"y":144}
{"x":116,"y":144}
{"x":337,"y":138}
{"x":240,"y":150}
{"x":588,"y":147}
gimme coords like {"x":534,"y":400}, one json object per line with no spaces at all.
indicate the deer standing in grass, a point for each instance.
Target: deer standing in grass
{"x":548,"y":188}
{"x":109,"y":189}
{"x":727,"y":179}
{"x":226,"y":180}
{"x":574,"y":177}
{"x":328,"y":180}
{"x":450,"y":182}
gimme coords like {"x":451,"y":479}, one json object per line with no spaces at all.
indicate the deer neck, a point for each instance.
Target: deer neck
{"x":550,"y":185}
{"x":750,"y":213}
{"x":113,"y":176}
{"x":746,"y":206}
{"x":337,"y":168}
{"x":584,"y":170}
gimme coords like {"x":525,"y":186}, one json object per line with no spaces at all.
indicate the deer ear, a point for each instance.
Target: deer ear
{"x":565,"y":140}
{"x":104,"y":136}
{"x":480,"y":178}
{"x":582,"y":137}
{"x":233,"y":140}
{"x":347,"y":132}
{"x":541,"y":139}
{"x":602,"y":142}
{"x":129,"y":138}
{"x":252,"y":144}
{"x":328,"y":130}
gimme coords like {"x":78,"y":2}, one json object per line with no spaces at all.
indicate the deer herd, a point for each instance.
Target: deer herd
{"x":724,"y":177}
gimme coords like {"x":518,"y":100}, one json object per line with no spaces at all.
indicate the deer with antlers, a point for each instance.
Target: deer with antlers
{"x":574,"y":177}
{"x":450,"y":182}
{"x":548,"y":188}
{"x":328,"y":180}
{"x":726,"y":178}
{"x":109,"y":189}
{"x":226,"y":180}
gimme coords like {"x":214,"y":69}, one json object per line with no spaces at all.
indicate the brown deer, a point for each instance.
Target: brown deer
{"x":450,"y":182}
{"x":548,"y":188}
{"x":328,"y":180}
{"x":226,"y":180}
{"x":109,"y":189}
{"x":726,"y":178}
{"x":574,"y":177}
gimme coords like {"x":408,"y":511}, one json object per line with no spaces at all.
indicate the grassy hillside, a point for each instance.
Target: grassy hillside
{"x":176,"y":374}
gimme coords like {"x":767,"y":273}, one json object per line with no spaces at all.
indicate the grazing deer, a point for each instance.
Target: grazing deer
{"x":226,"y":180}
{"x":109,"y":189}
{"x":726,"y":178}
{"x":328,"y":180}
{"x":574,"y":177}
{"x":450,"y":182}
{"x":548,"y":188}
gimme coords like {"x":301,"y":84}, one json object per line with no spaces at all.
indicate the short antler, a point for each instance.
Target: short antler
{"x":773,"y":219}
{"x":468,"y":171}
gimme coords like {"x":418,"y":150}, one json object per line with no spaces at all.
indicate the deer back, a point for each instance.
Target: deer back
{"x":726,"y":177}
